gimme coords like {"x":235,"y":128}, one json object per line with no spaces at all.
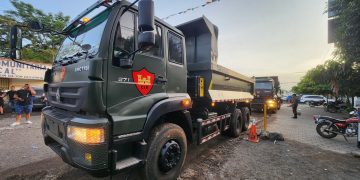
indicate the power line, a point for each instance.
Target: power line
{"x":191,"y":9}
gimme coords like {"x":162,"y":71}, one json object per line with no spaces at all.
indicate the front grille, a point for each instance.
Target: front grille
{"x":258,"y":100}
{"x":68,"y":96}
{"x":71,"y":101}
{"x":69,"y":90}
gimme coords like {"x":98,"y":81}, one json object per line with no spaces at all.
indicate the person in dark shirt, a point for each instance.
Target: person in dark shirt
{"x":23,"y":104}
{"x":294,"y":105}
{"x":11,"y":95}
{"x":2,"y":95}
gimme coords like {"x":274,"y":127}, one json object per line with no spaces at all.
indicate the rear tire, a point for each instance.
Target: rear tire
{"x":322,"y":126}
{"x":245,"y":118}
{"x":236,"y":123}
{"x":166,"y":154}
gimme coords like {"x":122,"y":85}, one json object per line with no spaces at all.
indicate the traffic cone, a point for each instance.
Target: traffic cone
{"x":252,"y":136}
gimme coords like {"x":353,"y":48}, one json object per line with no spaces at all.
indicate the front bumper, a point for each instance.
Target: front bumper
{"x":54,"y":127}
{"x":260,"y":106}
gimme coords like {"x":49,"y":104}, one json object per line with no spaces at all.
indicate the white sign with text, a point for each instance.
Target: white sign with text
{"x":12,"y":69}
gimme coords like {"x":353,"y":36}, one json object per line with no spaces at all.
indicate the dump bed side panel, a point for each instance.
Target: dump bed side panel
{"x":201,"y":38}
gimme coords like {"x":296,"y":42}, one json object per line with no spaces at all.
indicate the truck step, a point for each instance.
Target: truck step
{"x":209,"y":136}
{"x":215,"y":119}
{"x":126,"y":163}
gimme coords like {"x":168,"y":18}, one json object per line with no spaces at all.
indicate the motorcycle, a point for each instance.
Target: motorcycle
{"x":315,"y":103}
{"x":337,"y":106}
{"x":353,"y":113}
{"x":329,"y":127}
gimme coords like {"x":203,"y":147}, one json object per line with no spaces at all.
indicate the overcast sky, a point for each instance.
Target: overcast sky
{"x":256,"y":37}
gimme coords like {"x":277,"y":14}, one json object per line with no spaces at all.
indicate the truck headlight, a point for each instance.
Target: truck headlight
{"x":271,"y":103}
{"x":86,"y":135}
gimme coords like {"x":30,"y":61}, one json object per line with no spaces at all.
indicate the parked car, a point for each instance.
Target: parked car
{"x":284,"y":98}
{"x":330,"y":100}
{"x":312,"y":98}
{"x":39,"y":100}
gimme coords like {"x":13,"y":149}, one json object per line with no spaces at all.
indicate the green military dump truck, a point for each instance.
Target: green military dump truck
{"x":128,"y":89}
{"x":267,"y":92}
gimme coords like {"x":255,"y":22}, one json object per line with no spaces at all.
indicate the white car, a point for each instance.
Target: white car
{"x":314,"y":98}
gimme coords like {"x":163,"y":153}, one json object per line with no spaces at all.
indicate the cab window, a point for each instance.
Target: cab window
{"x":175,"y":48}
{"x":124,"y":38}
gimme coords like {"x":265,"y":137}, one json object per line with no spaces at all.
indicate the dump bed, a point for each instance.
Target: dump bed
{"x":221,"y":83}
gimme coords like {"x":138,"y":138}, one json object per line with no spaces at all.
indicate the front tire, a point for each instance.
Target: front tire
{"x":321,"y":127}
{"x":166,"y":154}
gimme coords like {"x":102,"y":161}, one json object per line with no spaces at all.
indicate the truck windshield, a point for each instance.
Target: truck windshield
{"x":263,"y":85}
{"x":87,"y":34}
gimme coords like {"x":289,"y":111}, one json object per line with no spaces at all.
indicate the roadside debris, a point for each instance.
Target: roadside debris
{"x":272,"y":136}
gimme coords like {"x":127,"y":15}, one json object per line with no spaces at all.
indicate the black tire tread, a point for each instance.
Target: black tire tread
{"x":245,"y":112}
{"x":158,"y":135}
{"x":318,"y":127}
{"x":234,"y":131}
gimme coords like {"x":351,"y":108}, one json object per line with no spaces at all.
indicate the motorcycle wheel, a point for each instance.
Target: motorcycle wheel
{"x":321,"y":127}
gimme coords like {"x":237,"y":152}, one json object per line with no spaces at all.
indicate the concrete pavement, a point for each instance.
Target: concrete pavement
{"x":303,"y":129}
{"x":21,"y":144}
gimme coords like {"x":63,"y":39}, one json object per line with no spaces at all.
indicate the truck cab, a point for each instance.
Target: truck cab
{"x":266,"y":94}
{"x":95,"y":90}
{"x":126,"y":89}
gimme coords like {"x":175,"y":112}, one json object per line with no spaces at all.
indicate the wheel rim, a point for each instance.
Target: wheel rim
{"x":325,"y":129}
{"x":170,"y":156}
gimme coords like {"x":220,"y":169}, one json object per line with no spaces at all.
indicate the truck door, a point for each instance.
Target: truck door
{"x":132,"y":91}
{"x":176,"y":64}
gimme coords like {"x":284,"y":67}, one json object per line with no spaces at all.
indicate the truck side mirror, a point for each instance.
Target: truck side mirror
{"x":146,"y":39}
{"x":35,"y":26}
{"x":15,"y":43}
{"x":146,"y":21}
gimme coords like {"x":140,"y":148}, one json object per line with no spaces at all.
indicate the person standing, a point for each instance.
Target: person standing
{"x":2,"y":95}
{"x":294,"y":105}
{"x":11,"y":94}
{"x":23,"y":104}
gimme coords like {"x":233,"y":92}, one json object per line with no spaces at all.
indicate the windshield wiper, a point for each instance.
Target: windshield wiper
{"x":75,"y":58}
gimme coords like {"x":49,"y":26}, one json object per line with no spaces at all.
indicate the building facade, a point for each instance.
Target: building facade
{"x":18,"y":74}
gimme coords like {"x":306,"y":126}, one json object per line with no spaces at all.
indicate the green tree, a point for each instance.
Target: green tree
{"x":43,"y":45}
{"x":348,"y":30}
{"x":342,"y":74}
{"x":348,"y":45}
{"x":314,"y":82}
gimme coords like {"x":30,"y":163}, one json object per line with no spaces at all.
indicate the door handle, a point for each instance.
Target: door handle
{"x":160,"y":80}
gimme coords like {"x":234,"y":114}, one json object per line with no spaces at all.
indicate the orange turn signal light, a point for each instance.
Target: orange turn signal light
{"x":85,"y":20}
{"x":186,"y":102}
{"x":86,"y":135}
{"x":213,"y":104}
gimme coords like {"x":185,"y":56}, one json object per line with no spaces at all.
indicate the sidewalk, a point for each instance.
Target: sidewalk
{"x":303,"y":129}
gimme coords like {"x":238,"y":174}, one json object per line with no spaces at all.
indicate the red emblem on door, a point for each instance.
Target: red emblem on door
{"x":144,"y":81}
